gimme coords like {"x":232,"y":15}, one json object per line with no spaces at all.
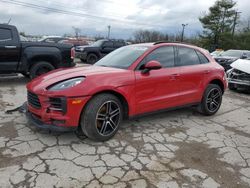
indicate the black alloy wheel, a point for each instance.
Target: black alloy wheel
{"x":213,"y":100}
{"x":107,"y":118}
{"x":101,"y":117}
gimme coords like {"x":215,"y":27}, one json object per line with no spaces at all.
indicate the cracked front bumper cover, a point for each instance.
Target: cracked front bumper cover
{"x":33,"y":120}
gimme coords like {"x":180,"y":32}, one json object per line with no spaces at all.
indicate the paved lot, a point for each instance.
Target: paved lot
{"x":173,"y":149}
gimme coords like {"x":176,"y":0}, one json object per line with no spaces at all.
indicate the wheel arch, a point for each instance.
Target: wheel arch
{"x":37,"y":59}
{"x":219,"y":83}
{"x":121,"y":97}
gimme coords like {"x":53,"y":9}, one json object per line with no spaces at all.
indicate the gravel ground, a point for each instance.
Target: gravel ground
{"x":174,"y":149}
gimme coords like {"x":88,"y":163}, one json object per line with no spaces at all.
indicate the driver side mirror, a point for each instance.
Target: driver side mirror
{"x":151,"y":65}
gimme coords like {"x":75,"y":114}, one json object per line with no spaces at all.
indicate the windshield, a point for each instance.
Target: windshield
{"x":232,"y":53}
{"x":122,"y":57}
{"x":97,"y":43}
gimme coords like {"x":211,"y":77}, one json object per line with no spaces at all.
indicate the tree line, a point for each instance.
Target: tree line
{"x":219,"y":30}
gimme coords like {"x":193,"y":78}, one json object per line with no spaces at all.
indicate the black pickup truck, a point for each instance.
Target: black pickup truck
{"x":91,"y":54}
{"x":31,"y":58}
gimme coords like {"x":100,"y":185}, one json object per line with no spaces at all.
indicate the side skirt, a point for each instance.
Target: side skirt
{"x":162,"y":110}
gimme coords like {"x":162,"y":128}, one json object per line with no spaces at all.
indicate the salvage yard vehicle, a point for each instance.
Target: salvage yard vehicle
{"x":131,"y":81}
{"x":91,"y":54}
{"x":229,"y":56}
{"x":239,"y":75}
{"x":31,"y":58}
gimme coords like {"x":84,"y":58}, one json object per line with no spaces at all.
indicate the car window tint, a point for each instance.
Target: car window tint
{"x":118,"y":44}
{"x":5,"y":34}
{"x":187,"y":56}
{"x":202,"y":57}
{"x":165,"y":55}
{"x":108,"y":44}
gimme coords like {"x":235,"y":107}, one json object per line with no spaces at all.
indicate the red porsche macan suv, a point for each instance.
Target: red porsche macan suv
{"x":131,"y":81}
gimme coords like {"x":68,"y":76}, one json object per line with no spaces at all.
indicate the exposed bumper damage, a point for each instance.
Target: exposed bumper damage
{"x":239,"y":75}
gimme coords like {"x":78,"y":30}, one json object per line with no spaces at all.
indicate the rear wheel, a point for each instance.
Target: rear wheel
{"x":91,"y":58}
{"x":211,"y":100}
{"x":101,"y":118}
{"x":40,"y":68}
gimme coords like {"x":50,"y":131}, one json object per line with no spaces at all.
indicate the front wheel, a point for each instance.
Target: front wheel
{"x":101,"y":118}
{"x":211,"y":100}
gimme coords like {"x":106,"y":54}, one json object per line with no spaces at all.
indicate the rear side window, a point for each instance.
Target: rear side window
{"x":202,"y":58}
{"x":5,"y":34}
{"x":187,"y":56}
{"x":165,"y":55}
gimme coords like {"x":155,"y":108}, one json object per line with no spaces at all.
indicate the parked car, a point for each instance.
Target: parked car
{"x":52,"y":39}
{"x":74,"y":42}
{"x":216,"y":53}
{"x":239,"y":75}
{"x":229,"y":56}
{"x":31,"y":58}
{"x":91,"y":54}
{"x":129,"y":82}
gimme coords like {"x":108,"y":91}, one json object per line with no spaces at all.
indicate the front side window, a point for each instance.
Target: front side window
{"x":108,"y":44}
{"x":164,"y":55}
{"x":187,"y":56}
{"x":5,"y":35}
{"x":118,"y":44}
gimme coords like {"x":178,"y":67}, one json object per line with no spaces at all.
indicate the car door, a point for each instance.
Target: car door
{"x":192,"y":72}
{"x":157,"y":89}
{"x":118,"y":44}
{"x":9,"y":51}
{"x":107,"y":47}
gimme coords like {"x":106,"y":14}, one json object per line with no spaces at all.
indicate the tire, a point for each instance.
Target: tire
{"x":82,"y":60}
{"x":40,"y":68}
{"x":231,"y":87}
{"x":102,"y":127}
{"x":211,"y":100}
{"x":91,"y":58}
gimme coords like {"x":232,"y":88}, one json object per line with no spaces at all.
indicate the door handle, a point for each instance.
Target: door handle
{"x":174,"y":76}
{"x":10,"y":47}
{"x":206,"y":71}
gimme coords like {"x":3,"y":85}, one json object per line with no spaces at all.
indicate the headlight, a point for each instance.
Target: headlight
{"x":66,"y":84}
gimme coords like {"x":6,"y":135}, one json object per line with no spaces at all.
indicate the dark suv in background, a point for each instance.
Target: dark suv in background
{"x":91,"y":54}
{"x":229,"y":56}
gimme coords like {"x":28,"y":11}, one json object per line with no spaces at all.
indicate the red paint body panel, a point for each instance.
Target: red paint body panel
{"x":155,"y":90}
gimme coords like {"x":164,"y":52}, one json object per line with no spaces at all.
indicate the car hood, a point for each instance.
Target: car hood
{"x":40,"y":83}
{"x":242,"y":65}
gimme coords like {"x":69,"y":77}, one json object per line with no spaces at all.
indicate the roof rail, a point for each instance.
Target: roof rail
{"x":159,"y":42}
{"x":177,"y":42}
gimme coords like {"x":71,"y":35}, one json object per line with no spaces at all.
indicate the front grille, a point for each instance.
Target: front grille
{"x":33,"y":100}
{"x":57,"y":104}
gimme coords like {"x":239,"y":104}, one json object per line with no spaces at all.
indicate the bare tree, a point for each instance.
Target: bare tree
{"x":141,"y":36}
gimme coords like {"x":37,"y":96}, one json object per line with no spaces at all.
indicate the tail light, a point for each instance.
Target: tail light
{"x":72,"y":53}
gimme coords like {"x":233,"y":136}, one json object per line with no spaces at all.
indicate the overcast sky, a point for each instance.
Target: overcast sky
{"x":93,"y":16}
